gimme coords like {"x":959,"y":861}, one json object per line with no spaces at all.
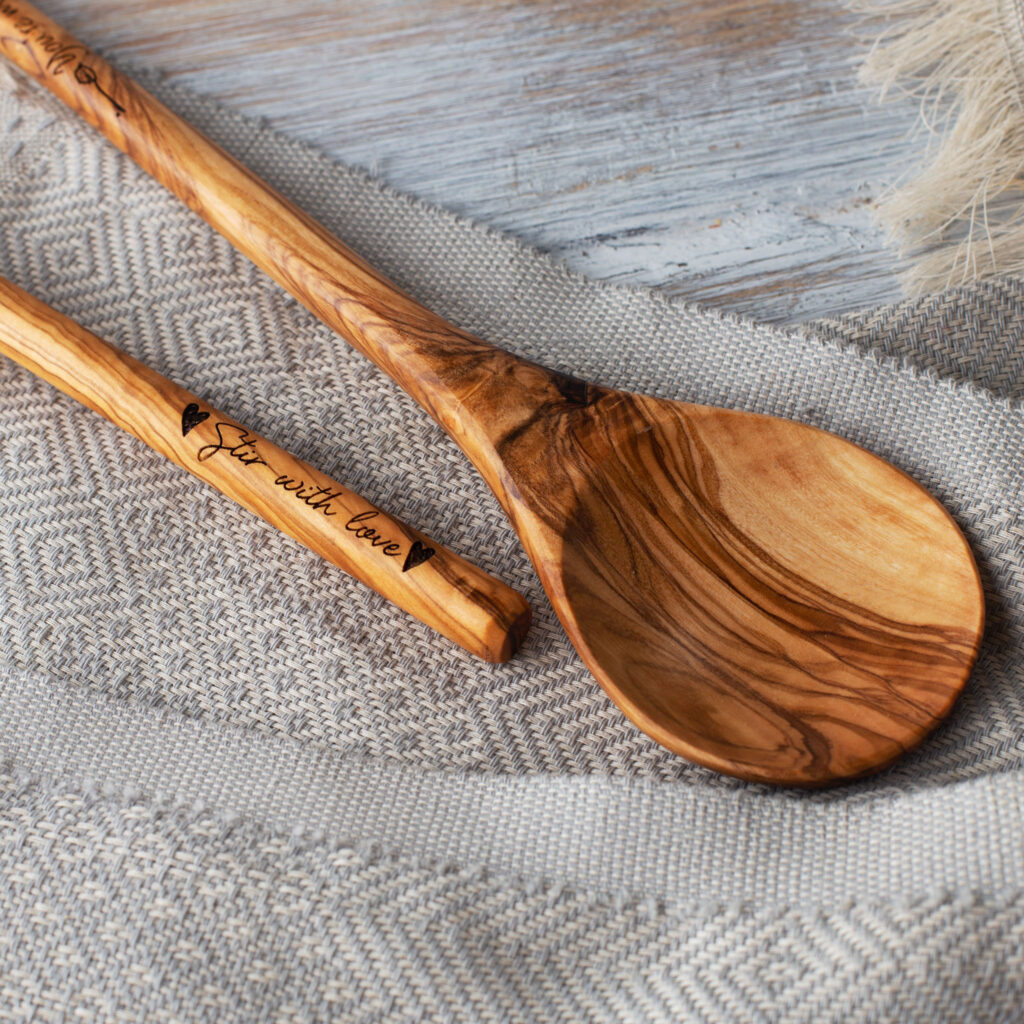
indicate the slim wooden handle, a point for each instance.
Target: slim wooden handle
{"x":438,"y":587}
{"x":441,"y":366}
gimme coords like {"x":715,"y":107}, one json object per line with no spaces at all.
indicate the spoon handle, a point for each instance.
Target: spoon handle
{"x":448,"y":371}
{"x":460,"y":601}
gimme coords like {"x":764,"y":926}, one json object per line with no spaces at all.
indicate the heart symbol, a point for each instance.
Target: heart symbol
{"x":418,"y":554}
{"x":192,"y":417}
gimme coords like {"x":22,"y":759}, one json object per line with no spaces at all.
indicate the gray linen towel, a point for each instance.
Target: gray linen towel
{"x":238,"y":786}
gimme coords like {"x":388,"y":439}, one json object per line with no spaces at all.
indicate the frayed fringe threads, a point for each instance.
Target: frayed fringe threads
{"x":959,"y":216}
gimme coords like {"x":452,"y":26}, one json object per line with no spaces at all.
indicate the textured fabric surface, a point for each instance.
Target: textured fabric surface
{"x":241,"y":786}
{"x":189,"y":916}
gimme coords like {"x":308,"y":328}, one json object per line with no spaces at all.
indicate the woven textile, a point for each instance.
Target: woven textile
{"x":240,"y":786}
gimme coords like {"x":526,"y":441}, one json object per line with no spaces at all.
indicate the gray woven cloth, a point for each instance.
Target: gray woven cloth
{"x":238,"y":786}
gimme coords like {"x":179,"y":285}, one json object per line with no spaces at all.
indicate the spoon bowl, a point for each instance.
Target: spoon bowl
{"x":758,"y":595}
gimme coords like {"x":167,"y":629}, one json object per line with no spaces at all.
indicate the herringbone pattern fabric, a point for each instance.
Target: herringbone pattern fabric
{"x":198,"y":639}
{"x":192,"y":916}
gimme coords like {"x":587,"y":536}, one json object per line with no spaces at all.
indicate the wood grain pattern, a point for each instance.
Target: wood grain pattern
{"x":460,"y":601}
{"x":721,"y":151}
{"x":758,"y":595}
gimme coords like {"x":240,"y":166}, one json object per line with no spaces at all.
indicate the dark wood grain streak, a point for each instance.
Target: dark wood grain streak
{"x":756,"y":594}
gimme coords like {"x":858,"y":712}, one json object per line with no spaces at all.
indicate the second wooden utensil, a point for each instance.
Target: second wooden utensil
{"x":757,"y":595}
{"x":460,"y":601}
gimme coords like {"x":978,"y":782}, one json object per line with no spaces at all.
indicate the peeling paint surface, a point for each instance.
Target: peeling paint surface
{"x":721,"y":151}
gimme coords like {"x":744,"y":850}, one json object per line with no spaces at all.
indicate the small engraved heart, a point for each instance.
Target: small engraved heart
{"x":192,"y":417}
{"x":418,"y":554}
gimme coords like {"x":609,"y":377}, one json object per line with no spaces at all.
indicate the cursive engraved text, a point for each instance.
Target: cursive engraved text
{"x":237,"y":443}
{"x":357,"y":525}
{"x":61,"y":55}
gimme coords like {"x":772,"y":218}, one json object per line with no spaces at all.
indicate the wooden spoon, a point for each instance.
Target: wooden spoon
{"x":758,"y":595}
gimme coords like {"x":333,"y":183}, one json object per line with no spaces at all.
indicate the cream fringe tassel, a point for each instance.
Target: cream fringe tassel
{"x":961,"y":214}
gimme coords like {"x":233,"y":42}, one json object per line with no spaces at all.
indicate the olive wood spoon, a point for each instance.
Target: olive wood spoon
{"x":460,"y":601}
{"x":756,"y":594}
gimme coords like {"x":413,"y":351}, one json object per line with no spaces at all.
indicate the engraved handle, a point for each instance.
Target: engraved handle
{"x":435,"y":585}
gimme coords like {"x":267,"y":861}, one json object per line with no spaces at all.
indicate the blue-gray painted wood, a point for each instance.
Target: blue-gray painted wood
{"x":721,"y":151}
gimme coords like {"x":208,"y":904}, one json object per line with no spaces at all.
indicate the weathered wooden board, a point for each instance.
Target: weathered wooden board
{"x":722,"y":151}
